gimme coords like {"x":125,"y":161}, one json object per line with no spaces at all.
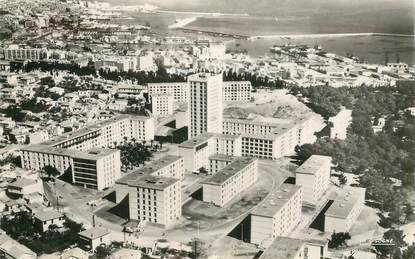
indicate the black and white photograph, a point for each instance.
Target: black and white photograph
{"x":207,"y":129}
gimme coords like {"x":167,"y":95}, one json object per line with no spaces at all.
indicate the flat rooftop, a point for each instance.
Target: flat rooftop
{"x":345,"y":201}
{"x":48,"y":215}
{"x":226,"y":136}
{"x":313,"y":164}
{"x":230,"y":170}
{"x":94,"y":153}
{"x":167,"y":84}
{"x":156,"y":165}
{"x":275,"y":200}
{"x":90,"y":154}
{"x":202,"y":77}
{"x":283,"y":248}
{"x":222,"y":157}
{"x":147,"y":181}
{"x":250,"y":122}
{"x":94,"y":233}
{"x":194,"y":142}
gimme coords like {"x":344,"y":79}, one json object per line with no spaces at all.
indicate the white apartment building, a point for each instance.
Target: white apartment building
{"x":232,"y":91}
{"x":96,"y":168}
{"x":16,"y":53}
{"x":179,"y":90}
{"x":270,"y":138}
{"x":61,"y":152}
{"x":116,"y":64}
{"x":314,"y":176}
{"x":145,"y":63}
{"x":344,"y":210}
{"x":217,"y":162}
{"x":281,"y":142}
{"x":205,"y":104}
{"x":230,"y":145}
{"x":166,"y":166}
{"x":230,"y":181}
{"x":237,"y":91}
{"x":246,"y":126}
{"x":161,"y":104}
{"x":151,"y":198}
{"x":198,"y":150}
{"x":277,"y":215}
{"x":340,"y":123}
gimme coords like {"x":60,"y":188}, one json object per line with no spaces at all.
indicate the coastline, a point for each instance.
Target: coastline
{"x":327,"y":35}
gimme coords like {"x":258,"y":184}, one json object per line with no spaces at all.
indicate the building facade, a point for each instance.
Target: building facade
{"x":237,"y":91}
{"x":17,"y":53}
{"x":205,"y":104}
{"x":179,"y":90}
{"x":230,"y":181}
{"x":154,"y":191}
{"x":198,"y":150}
{"x":83,"y":147}
{"x":314,"y":176}
{"x":345,"y":209}
{"x":277,"y":215}
{"x":151,"y":198}
{"x":217,"y":162}
{"x":161,"y":104}
{"x":96,"y":168}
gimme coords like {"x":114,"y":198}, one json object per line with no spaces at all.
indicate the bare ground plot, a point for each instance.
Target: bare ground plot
{"x":274,"y":104}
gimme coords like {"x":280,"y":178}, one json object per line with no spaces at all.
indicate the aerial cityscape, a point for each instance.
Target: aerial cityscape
{"x":207,"y":129}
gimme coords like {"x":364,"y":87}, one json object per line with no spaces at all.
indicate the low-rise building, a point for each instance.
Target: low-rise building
{"x":314,"y":176}
{"x":230,"y":181}
{"x":22,"y":187}
{"x":277,"y":215}
{"x":74,"y":253}
{"x":293,"y":248}
{"x":94,"y":237}
{"x":11,"y":249}
{"x":44,"y":219}
{"x":345,"y":209}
